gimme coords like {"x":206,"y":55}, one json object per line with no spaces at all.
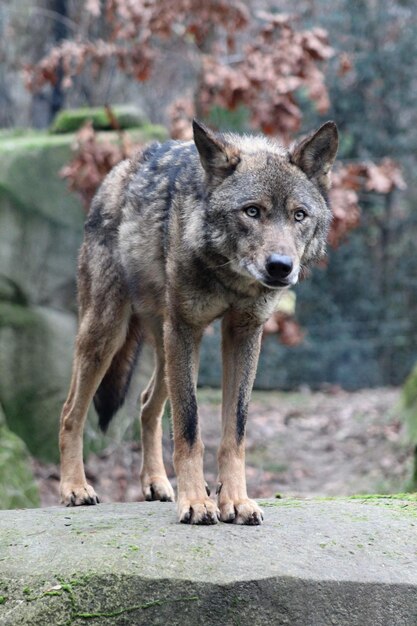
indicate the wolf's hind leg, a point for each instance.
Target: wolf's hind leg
{"x":96,"y":344}
{"x":154,"y":480}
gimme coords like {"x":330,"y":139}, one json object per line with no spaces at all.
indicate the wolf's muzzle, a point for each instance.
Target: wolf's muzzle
{"x":278,"y":267}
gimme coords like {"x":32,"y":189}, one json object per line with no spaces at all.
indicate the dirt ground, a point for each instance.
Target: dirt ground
{"x":329,"y":443}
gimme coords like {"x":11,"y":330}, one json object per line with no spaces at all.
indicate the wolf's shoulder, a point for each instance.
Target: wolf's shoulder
{"x":162,"y":172}
{"x":161,"y":157}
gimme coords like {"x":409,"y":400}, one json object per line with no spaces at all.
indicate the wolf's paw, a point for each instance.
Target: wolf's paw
{"x":202,"y":511}
{"x":157,"y":488}
{"x":241,"y":512}
{"x":78,"y":495}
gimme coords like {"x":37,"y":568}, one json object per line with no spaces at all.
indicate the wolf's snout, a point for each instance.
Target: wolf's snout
{"x":278,"y":266}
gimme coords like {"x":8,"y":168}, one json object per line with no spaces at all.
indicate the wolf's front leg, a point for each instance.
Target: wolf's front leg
{"x":181,"y":347}
{"x":241,"y":339}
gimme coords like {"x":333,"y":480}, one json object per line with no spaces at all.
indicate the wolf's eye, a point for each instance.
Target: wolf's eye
{"x":300,"y":215}
{"x":252,"y":211}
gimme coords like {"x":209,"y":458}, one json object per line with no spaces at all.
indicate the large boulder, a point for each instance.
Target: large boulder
{"x":17,"y":486}
{"x":35,"y":369}
{"x":41,"y":223}
{"x":313,"y":562}
{"x":41,"y":228}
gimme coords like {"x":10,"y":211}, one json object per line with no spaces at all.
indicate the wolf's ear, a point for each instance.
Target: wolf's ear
{"x":316,"y":154}
{"x":218,"y":157}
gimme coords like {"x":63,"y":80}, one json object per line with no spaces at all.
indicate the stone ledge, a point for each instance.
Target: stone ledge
{"x":313,"y":563}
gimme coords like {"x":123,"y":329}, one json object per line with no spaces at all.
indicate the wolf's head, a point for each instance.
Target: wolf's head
{"x":267,"y":212}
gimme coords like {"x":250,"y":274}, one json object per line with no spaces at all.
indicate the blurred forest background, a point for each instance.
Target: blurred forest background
{"x":83,"y":83}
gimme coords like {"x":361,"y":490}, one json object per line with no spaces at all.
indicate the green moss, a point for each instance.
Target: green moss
{"x":34,"y":140}
{"x":24,"y":413}
{"x":70,"y":120}
{"x":399,"y":502}
{"x":409,"y":404}
{"x":11,"y":291}
{"x":30,"y":141}
{"x":137,"y":607}
{"x":412,"y":497}
{"x":284,"y":501}
{"x":30,"y":168}
{"x":17,"y":485}
{"x":133,"y":548}
{"x":3,"y":599}
{"x":75,"y":610}
{"x":15,"y":316}
{"x":30,"y":181}
{"x":202,"y":551}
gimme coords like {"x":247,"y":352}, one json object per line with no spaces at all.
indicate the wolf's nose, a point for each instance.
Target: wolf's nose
{"x":279,"y":266}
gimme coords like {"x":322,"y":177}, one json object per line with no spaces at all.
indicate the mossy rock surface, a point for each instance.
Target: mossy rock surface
{"x":35,"y":371}
{"x":29,"y":178}
{"x":17,"y":485}
{"x":41,"y":229}
{"x":409,"y":403}
{"x":70,"y":120}
{"x":41,"y":222}
{"x":316,"y":562}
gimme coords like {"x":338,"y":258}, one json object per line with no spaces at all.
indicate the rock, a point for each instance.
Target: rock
{"x":35,"y":369}
{"x":313,"y":562}
{"x":41,"y":223}
{"x":70,"y":120}
{"x":41,"y":228}
{"x":17,"y":485}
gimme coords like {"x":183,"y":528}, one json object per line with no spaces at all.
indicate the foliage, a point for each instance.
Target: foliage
{"x":93,"y":161}
{"x":348,"y":182}
{"x":277,"y":61}
{"x":263,"y":72}
{"x":270,"y":69}
{"x":142,"y":25}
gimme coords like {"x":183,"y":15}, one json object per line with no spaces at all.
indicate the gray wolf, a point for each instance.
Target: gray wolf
{"x":178,"y":236}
